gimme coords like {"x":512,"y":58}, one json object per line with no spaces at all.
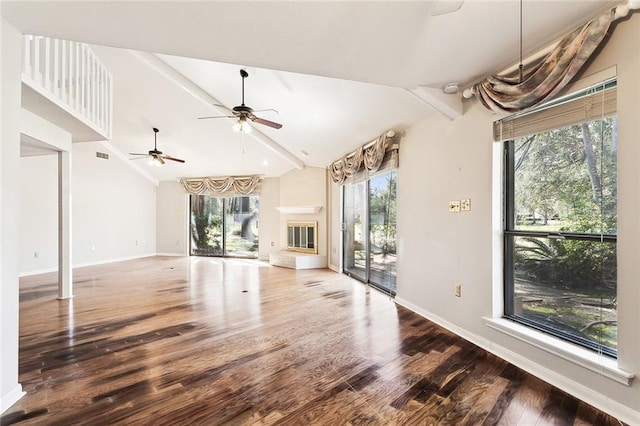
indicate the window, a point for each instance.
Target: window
{"x":560,"y":223}
{"x":224,"y":226}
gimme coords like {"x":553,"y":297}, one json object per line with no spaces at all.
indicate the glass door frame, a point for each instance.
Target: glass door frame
{"x":367,"y":229}
{"x":224,"y":203}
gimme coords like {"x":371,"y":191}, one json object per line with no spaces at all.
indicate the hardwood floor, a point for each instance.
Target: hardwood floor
{"x":169,"y":341}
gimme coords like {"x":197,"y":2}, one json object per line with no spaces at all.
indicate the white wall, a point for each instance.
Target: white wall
{"x":114,"y":208}
{"x":442,"y":160}
{"x":305,"y":187}
{"x":172,"y":235}
{"x":11,"y":54}
{"x":38,"y":214}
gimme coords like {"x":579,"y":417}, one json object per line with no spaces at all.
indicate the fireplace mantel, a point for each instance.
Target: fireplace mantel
{"x":299,"y":209}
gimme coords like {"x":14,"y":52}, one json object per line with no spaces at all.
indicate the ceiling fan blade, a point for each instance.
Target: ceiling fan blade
{"x":159,"y":159}
{"x":268,"y":109}
{"x":223,"y":107}
{"x":133,"y":153}
{"x":137,"y":158}
{"x":266,"y":122}
{"x":166,"y":157}
{"x":217,"y":116}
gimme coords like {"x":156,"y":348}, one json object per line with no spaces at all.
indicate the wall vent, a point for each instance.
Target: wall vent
{"x":102,"y":155}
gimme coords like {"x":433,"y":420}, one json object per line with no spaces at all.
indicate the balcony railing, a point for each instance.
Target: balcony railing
{"x":69,"y":74}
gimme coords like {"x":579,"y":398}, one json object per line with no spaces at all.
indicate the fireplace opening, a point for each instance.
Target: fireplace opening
{"x":302,"y":237}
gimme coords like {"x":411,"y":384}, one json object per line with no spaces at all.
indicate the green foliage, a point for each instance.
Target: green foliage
{"x":382,"y":212}
{"x":568,"y":174}
{"x":553,"y":178}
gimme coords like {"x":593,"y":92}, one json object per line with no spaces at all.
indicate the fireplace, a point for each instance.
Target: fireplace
{"x":302,"y":237}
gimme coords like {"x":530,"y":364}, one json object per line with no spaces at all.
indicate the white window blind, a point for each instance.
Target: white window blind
{"x":595,"y":102}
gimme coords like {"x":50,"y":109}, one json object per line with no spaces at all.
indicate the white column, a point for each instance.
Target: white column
{"x":65,"y":278}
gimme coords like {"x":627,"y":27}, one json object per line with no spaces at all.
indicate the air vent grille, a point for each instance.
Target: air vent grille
{"x":102,"y":155}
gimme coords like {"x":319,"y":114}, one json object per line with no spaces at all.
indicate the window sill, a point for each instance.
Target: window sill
{"x":590,"y":360}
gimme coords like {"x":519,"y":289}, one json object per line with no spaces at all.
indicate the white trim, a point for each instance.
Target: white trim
{"x":118,"y":259}
{"x":590,"y":360}
{"x":299,"y":209}
{"x":171,"y":254}
{"x":11,"y":397}
{"x":37,"y":272}
{"x":335,"y":269}
{"x":584,"y":393}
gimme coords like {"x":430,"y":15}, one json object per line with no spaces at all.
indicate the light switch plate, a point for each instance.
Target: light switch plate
{"x":465,"y":205}
{"x":454,"y":206}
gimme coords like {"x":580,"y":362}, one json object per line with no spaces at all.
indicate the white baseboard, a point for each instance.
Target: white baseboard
{"x":113,"y":260}
{"x":11,"y":397}
{"x":37,"y":272}
{"x":99,"y":262}
{"x":578,"y":390}
{"x":335,"y":269}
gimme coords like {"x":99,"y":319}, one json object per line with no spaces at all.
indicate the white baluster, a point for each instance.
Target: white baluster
{"x":78,"y":82}
{"x":36,"y":60}
{"x":47,"y":63}
{"x":27,"y":66}
{"x":56,"y":67}
{"x":83,"y":74}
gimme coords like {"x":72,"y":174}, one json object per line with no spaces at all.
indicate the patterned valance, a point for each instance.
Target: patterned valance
{"x":368,"y":157}
{"x":229,"y":185}
{"x":544,"y":78}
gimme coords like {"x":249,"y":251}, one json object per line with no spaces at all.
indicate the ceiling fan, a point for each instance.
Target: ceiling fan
{"x":245,"y":113}
{"x":157,"y":157}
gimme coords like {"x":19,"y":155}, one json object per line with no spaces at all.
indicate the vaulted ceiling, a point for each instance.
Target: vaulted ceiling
{"x":337,"y":74}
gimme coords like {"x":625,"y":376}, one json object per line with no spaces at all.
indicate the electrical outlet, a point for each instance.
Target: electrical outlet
{"x":465,"y":205}
{"x":271,"y":243}
{"x":457,"y":290}
{"x":454,"y":206}
{"x":35,"y":254}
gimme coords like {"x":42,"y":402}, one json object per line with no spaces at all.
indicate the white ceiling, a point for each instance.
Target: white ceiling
{"x":342,"y":68}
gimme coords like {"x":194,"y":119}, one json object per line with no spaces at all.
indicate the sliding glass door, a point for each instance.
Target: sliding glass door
{"x":224,"y":226}
{"x":356,"y":230}
{"x":370,"y":231}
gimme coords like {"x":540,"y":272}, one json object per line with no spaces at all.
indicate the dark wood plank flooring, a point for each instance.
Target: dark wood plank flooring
{"x":169,"y":341}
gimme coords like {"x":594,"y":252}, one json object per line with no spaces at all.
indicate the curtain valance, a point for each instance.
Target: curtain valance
{"x":382,"y":152}
{"x":544,"y":78}
{"x":230,"y":185}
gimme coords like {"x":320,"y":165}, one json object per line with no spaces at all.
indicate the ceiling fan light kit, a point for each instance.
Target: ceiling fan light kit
{"x":242,"y":125}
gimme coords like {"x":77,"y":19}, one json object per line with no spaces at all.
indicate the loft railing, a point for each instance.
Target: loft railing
{"x":69,"y":74}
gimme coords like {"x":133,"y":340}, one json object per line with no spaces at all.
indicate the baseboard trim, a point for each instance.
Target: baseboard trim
{"x":335,"y":269}
{"x":11,"y":397}
{"x":118,"y":259}
{"x":588,"y":395}
{"x":170,"y":254}
{"x":37,"y":272}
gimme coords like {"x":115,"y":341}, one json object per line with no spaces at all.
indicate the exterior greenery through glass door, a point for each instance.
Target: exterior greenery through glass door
{"x":560,"y":233}
{"x":224,"y":226}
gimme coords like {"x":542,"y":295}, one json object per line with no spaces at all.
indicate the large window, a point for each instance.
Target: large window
{"x":560,"y":230}
{"x":224,"y":226}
